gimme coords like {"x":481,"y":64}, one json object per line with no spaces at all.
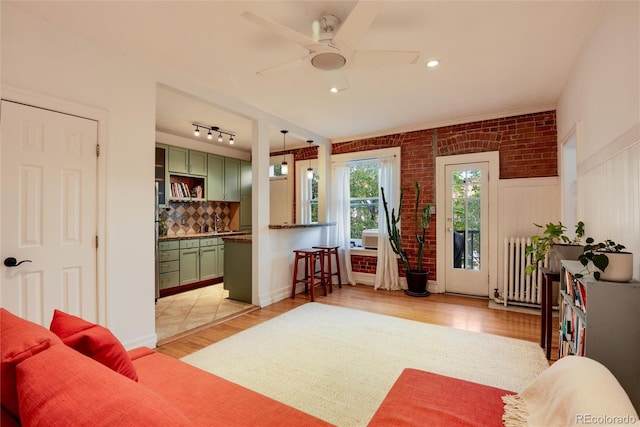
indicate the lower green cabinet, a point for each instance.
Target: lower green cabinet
{"x":182,"y":262}
{"x":168,"y":264}
{"x":189,"y":265}
{"x":211,"y":251}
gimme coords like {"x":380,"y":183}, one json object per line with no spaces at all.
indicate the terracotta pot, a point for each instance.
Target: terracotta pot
{"x":620,"y":268}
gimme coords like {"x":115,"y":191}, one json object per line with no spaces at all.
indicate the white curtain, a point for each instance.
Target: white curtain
{"x":340,"y":208}
{"x":387,"y":265}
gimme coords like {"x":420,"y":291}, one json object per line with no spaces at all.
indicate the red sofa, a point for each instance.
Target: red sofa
{"x":48,"y":380}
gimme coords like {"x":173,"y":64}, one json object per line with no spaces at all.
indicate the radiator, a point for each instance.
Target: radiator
{"x":520,"y":287}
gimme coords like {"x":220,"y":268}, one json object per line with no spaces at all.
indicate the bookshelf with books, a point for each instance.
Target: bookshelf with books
{"x":601,"y":320}
{"x":183,"y":187}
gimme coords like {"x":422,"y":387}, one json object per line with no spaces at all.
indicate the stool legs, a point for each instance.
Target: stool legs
{"x":310,"y":257}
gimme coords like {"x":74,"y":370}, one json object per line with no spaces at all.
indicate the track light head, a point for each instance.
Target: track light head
{"x":197,"y":131}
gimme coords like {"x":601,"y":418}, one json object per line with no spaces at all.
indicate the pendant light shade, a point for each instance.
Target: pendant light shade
{"x":284,"y":168}
{"x":309,"y":169}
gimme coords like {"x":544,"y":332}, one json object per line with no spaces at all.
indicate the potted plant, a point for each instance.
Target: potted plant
{"x":609,"y":256}
{"x":416,"y":277}
{"x":554,"y":243}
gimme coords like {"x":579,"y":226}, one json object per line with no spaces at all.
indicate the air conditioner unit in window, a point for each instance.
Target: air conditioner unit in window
{"x":370,"y":239}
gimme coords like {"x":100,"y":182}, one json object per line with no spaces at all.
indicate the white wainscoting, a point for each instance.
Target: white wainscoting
{"x":609,"y":197}
{"x":522,"y":202}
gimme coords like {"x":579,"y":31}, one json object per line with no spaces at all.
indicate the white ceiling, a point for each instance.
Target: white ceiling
{"x":497,"y":58}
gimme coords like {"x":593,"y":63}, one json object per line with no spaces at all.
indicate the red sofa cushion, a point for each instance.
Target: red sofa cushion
{"x":209,"y":399}
{"x":94,"y":341}
{"x":19,"y":340}
{"x":420,"y":398}
{"x":61,"y":387}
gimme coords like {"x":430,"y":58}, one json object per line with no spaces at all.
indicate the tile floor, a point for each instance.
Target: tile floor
{"x":176,"y":314}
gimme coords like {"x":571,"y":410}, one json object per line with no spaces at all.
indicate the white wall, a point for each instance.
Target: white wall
{"x":44,"y":59}
{"x":601,"y":102}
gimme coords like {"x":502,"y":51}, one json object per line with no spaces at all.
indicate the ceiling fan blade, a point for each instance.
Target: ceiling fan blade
{"x":354,"y":27}
{"x":284,"y":66}
{"x":284,"y":32}
{"x":378,"y":58}
{"x":337,"y":80}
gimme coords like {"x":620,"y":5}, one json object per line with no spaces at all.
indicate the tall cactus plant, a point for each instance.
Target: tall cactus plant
{"x":421,"y":223}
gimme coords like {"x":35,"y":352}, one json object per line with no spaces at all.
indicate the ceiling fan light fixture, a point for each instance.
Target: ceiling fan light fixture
{"x":328,"y":61}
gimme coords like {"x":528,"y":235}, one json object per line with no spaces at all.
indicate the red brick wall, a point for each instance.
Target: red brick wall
{"x":364,"y":264}
{"x":527,"y":147}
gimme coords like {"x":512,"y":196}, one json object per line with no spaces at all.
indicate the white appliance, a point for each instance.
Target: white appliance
{"x":370,"y":239}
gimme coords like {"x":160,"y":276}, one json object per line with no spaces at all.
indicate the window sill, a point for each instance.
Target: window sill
{"x":364,"y":252}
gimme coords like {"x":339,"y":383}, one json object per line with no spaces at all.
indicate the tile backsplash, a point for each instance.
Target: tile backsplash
{"x":182,"y":218}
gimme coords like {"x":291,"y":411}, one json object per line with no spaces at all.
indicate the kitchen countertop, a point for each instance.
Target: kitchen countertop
{"x":238,"y":238}
{"x":205,"y":235}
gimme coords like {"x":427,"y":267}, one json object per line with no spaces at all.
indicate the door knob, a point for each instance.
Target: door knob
{"x":12,"y":262}
{"x":449,"y":229}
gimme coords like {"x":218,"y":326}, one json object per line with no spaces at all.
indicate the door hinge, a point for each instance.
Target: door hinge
{"x":97,"y":243}
{"x":97,"y":150}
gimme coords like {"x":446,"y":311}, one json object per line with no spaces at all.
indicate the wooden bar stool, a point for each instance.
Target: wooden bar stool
{"x":328,"y":251}
{"x":310,"y":256}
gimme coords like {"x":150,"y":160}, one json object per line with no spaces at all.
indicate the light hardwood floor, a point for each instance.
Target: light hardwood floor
{"x":456,"y":311}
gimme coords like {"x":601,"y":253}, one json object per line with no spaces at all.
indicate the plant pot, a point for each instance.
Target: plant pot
{"x":417,"y":283}
{"x":560,"y":251}
{"x":620,"y":268}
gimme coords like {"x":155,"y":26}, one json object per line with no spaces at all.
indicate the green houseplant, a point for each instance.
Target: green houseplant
{"x":609,"y":256}
{"x":416,"y":277}
{"x":556,"y":244}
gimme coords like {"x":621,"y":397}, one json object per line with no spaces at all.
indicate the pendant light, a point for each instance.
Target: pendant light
{"x":309,"y":169}
{"x":284,"y":168}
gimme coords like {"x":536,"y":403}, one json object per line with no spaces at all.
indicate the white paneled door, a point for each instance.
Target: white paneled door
{"x":49,"y":213}
{"x":467,"y":243}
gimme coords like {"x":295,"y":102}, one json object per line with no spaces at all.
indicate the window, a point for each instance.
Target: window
{"x":308,"y":201}
{"x":364,"y":191}
{"x":365,"y":200}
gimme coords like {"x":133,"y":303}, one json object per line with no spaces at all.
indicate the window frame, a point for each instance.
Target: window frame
{"x":376,"y":154}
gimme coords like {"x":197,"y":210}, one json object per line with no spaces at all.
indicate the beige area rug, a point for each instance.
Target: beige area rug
{"x":338,"y":364}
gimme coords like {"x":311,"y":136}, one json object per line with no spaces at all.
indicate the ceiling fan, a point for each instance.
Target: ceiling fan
{"x":333,"y":46}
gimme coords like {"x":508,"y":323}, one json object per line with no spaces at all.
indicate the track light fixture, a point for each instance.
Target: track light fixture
{"x":284,"y":168}
{"x":212,"y":130}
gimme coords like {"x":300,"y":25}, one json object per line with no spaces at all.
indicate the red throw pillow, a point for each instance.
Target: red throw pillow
{"x":60,"y":387}
{"x":19,"y":340}
{"x":94,"y":341}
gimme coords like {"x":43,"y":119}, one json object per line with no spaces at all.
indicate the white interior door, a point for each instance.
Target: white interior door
{"x":466,"y":237}
{"x":49,"y":212}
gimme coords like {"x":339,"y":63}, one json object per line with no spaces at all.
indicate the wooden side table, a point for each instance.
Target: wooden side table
{"x":548,"y":277}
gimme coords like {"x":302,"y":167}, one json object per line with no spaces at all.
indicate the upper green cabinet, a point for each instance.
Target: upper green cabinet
{"x":231,"y":180}
{"x":223,"y":177}
{"x":185,"y":161}
{"x":215,"y":177}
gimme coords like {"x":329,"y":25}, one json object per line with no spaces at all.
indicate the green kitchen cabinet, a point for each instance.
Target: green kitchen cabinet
{"x":231,"y":180}
{"x":245,"y":195}
{"x":188,"y":162}
{"x":215,"y":177}
{"x":210,"y":266}
{"x":189,"y":261}
{"x":237,"y":278}
{"x":223,"y":178}
{"x":168,"y":264}
{"x":221,"y":258}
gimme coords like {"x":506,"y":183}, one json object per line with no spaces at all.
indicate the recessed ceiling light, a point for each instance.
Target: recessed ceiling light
{"x":432,"y":63}
{"x":334,"y":90}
